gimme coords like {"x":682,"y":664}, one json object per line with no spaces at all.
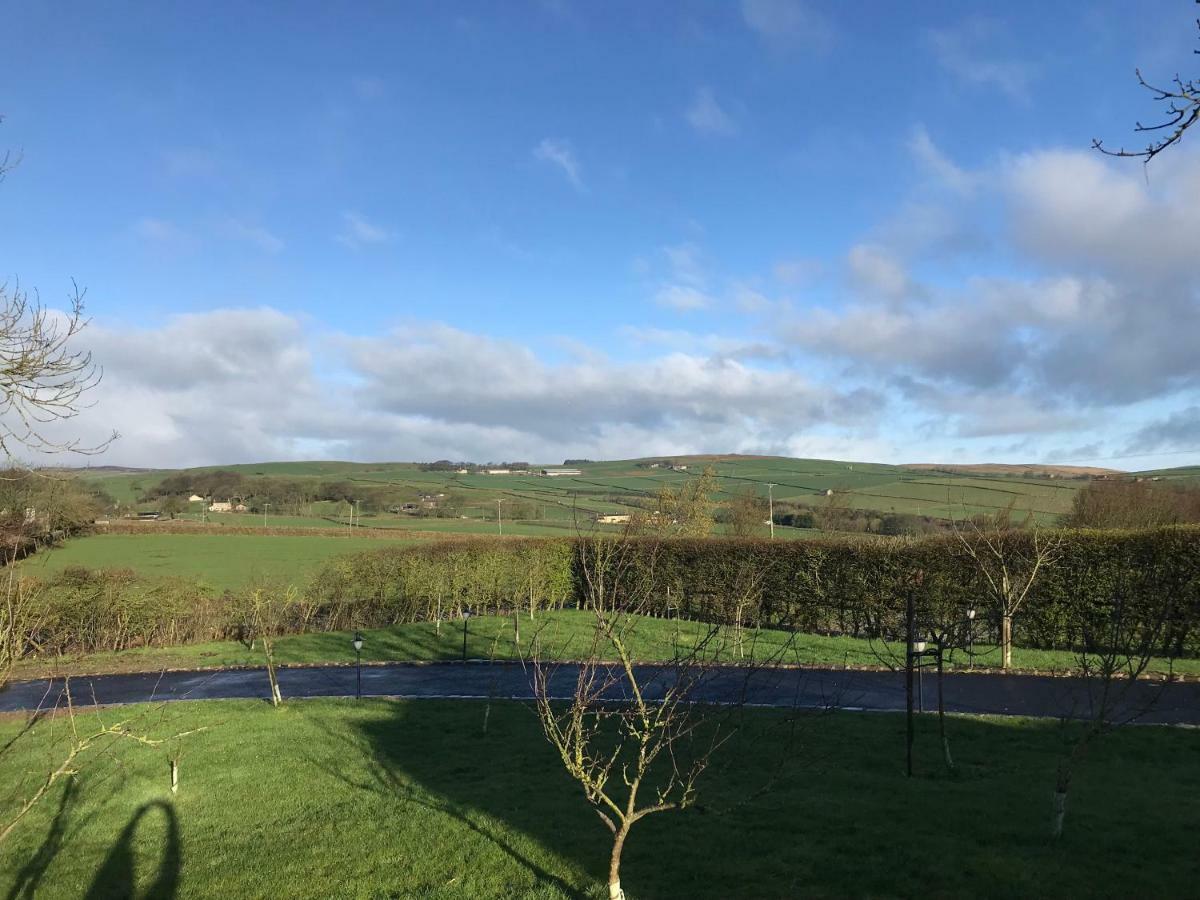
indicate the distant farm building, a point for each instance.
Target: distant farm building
{"x":499,"y":471}
{"x":220,"y":506}
{"x":622,"y":519}
{"x":554,"y":472}
{"x":195,"y":498}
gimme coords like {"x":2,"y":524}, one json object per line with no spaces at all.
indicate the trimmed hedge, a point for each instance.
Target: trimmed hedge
{"x":860,"y":587}
{"x":854,"y":587}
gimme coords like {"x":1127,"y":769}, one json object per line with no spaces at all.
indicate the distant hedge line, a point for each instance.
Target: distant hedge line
{"x":849,"y":587}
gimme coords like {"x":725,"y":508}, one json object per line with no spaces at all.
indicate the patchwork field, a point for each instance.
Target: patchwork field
{"x":374,"y":798}
{"x":554,"y":505}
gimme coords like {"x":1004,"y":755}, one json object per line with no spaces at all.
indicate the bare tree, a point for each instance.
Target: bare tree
{"x":1118,"y":633}
{"x":43,"y":379}
{"x":636,"y":738}
{"x":80,"y":740}
{"x":266,"y":613}
{"x":746,"y":513}
{"x":1182,"y":100}
{"x":1009,"y":557}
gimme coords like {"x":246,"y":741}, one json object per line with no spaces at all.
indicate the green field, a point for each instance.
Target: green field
{"x":217,"y":560}
{"x":565,"y":634}
{"x":609,"y":487}
{"x":378,"y":798}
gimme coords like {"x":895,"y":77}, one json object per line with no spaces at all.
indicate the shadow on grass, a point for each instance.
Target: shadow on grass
{"x":31,"y":874}
{"x":842,"y":821}
{"x":117,"y":876}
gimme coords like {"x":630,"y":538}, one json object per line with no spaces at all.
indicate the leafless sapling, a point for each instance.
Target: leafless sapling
{"x":1009,"y":558}
{"x":1119,"y":625}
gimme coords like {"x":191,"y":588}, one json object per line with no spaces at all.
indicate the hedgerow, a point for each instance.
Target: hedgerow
{"x":854,"y":587}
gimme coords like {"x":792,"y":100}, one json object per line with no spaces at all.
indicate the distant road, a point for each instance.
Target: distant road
{"x":988,"y":694}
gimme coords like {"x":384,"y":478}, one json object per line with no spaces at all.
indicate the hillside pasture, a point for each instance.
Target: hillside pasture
{"x":615,"y":487}
{"x":217,"y":561}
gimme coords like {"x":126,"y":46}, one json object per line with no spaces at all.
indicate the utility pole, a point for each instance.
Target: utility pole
{"x":499,"y":521}
{"x":265,"y":505}
{"x":771,"y":508}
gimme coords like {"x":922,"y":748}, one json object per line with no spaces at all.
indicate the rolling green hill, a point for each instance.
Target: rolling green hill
{"x":616,"y":486}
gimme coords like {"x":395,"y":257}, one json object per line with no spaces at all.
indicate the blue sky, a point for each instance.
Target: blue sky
{"x":538,"y":230}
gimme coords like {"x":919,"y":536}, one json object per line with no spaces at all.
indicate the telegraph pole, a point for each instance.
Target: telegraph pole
{"x":771,"y":508}
{"x":499,"y":521}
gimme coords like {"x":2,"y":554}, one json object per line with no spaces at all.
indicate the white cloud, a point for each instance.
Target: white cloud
{"x":253,"y":234}
{"x":1077,"y":207}
{"x":965,"y":51}
{"x":559,"y":154}
{"x":685,"y":287}
{"x":940,"y":166}
{"x":797,"y":272}
{"x":706,"y":115}
{"x":682,"y":298}
{"x":787,"y":23}
{"x":159,"y":231}
{"x":357,"y":232}
{"x":685,"y":263}
{"x":252,"y":384}
{"x":876,"y":271}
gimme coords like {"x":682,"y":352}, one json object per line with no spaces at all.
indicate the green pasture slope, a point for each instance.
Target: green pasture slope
{"x":217,"y":560}
{"x":382,"y":798}
{"x":610,"y":487}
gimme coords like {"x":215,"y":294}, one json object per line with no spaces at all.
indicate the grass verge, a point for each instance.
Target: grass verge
{"x":332,"y":798}
{"x":565,"y":634}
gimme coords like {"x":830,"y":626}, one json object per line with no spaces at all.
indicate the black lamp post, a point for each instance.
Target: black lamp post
{"x":358,"y":642}
{"x":466,"y":616}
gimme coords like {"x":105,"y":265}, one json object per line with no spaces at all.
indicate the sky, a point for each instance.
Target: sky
{"x":540,"y":230}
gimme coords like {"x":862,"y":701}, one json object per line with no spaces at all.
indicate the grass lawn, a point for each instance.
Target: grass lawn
{"x":218,"y":560}
{"x":379,"y":798}
{"x":565,"y":635}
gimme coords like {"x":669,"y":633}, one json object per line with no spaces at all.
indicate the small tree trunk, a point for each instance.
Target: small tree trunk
{"x":276,"y":696}
{"x":1006,"y":641}
{"x":1062,"y":784}
{"x":614,"y":865}
{"x":1060,"y":813}
{"x":942,"y":715}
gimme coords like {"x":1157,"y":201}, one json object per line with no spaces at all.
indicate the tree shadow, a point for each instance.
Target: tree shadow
{"x":509,"y":787}
{"x":390,"y":773}
{"x":31,"y":874}
{"x":117,"y":876}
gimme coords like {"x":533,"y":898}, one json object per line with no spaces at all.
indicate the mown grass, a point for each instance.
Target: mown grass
{"x":378,"y":798}
{"x":217,"y":560}
{"x":565,"y":634}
